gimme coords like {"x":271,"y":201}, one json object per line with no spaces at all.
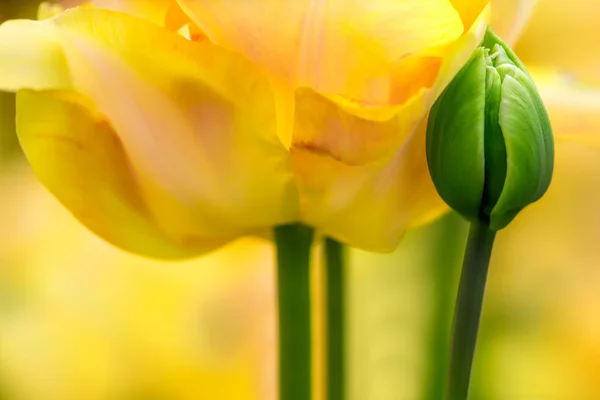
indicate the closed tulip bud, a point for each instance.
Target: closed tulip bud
{"x":489,"y":141}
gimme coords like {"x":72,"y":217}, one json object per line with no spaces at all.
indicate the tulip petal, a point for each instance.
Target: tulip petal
{"x":31,"y":57}
{"x":165,"y":13}
{"x":368,"y":206}
{"x":77,"y":155}
{"x":336,"y":47}
{"x":323,"y":126}
{"x":469,"y":10}
{"x":196,"y":122}
{"x":152,"y":10}
{"x":355,"y":134}
{"x":325,"y":34}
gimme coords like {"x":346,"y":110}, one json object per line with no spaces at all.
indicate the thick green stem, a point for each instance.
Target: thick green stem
{"x":468,"y":310}
{"x":293,"y":290}
{"x":335,"y":285}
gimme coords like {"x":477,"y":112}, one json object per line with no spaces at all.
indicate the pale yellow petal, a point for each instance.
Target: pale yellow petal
{"x":354,"y":133}
{"x":349,"y":46}
{"x":80,"y":159}
{"x":165,"y":13}
{"x":31,"y":57}
{"x":368,"y":206}
{"x":417,"y":79}
{"x":196,"y":122}
{"x":324,"y":127}
{"x":152,"y":10}
{"x":336,"y":47}
{"x":310,"y":38}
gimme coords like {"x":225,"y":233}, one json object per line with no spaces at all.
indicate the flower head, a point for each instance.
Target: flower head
{"x":489,"y":141}
{"x":172,"y":127}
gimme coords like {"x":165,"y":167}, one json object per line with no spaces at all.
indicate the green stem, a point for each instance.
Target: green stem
{"x":334,"y":264}
{"x":468,"y":310}
{"x":293,"y":287}
{"x":446,"y":238}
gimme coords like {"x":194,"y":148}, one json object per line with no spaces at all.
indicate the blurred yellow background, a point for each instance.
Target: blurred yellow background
{"x":80,"y":319}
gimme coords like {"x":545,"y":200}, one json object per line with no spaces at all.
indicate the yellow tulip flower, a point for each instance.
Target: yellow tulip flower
{"x":172,"y":127}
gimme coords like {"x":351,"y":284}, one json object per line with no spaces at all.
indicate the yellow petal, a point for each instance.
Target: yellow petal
{"x":509,"y":17}
{"x":165,"y":13}
{"x":469,"y":10}
{"x":355,"y":134}
{"x":319,"y":40}
{"x":336,"y":47}
{"x":152,"y":10}
{"x":31,"y":57}
{"x":563,"y":36}
{"x":368,"y":206}
{"x":324,"y":127}
{"x":79,"y":158}
{"x":176,"y":20}
{"x":196,"y":122}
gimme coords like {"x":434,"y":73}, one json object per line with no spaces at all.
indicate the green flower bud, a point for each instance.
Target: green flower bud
{"x":489,"y":141}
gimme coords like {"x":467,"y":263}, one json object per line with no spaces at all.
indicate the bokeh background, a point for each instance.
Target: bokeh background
{"x":80,"y":319}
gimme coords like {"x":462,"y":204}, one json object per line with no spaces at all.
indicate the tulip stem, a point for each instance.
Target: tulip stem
{"x":293,"y":285}
{"x":468,"y":308}
{"x":335,"y":285}
{"x":443,"y":265}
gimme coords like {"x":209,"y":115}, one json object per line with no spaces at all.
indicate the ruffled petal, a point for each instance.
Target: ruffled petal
{"x":355,"y":134}
{"x":339,"y":48}
{"x":77,"y":155}
{"x":324,"y":127}
{"x":368,"y":206}
{"x":316,"y":41}
{"x":196,"y":122}
{"x":366,"y":166}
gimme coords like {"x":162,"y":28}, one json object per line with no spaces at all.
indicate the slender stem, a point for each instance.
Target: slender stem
{"x":293,"y":286}
{"x":468,"y":310}
{"x":446,"y":238}
{"x":334,"y":261}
